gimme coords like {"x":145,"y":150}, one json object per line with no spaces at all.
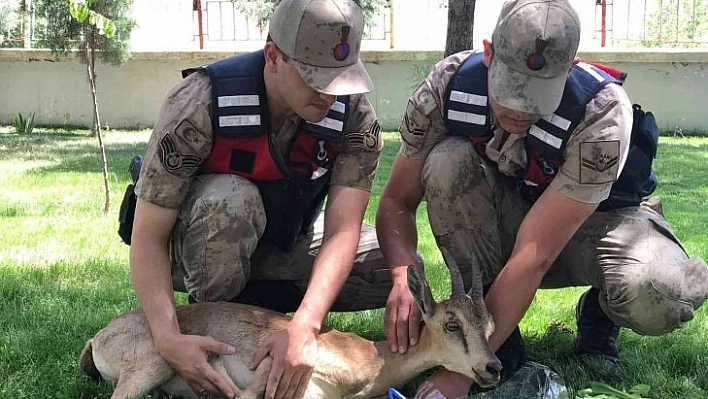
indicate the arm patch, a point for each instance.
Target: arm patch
{"x":599,"y":161}
{"x":368,"y":141}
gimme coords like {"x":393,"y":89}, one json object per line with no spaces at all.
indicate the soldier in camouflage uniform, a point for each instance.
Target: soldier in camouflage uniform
{"x":470,"y":148}
{"x":231,"y":185}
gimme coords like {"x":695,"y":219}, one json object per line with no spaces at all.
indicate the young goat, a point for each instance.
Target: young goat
{"x":454,"y":335}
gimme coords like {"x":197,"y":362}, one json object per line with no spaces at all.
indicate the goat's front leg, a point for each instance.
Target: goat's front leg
{"x":256,"y":389}
{"x":220,"y":368}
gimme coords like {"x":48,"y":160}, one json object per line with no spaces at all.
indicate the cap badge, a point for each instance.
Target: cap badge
{"x":341,"y":51}
{"x":537,"y":60}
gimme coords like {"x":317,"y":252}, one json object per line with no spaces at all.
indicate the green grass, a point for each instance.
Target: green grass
{"x":64,"y":271}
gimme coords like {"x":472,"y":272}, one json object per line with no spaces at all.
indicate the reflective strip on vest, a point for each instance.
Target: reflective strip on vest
{"x":471,"y":99}
{"x":243,"y":100}
{"x":330,"y":122}
{"x":468,"y":98}
{"x":548,"y":137}
{"x":238,"y":101}
{"x":466,"y":117}
{"x":545,"y":137}
{"x":239,"y":120}
{"x":591,"y":71}
{"x":338,"y":106}
{"x":557,"y":120}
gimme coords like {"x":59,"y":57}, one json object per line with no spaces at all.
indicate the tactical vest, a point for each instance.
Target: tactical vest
{"x":293,"y":187}
{"x":467,"y":113}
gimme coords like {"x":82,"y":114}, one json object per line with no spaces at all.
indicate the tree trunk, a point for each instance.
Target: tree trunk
{"x":460,"y":21}
{"x":28,"y":24}
{"x":91,"y":68}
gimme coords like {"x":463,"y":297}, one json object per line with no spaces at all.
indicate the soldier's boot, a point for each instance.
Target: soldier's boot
{"x":596,"y":340}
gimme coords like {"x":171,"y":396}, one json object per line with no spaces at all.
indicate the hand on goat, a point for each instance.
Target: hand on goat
{"x":294,"y":353}
{"x":402,"y":319}
{"x":188,"y":356}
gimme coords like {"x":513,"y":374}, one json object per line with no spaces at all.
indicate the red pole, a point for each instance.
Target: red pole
{"x":603,"y":32}
{"x":198,"y":6}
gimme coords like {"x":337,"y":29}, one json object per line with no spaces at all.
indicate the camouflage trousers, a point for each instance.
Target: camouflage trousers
{"x":647,"y":281}
{"x":217,"y":254}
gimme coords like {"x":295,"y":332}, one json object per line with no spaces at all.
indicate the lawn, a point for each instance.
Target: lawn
{"x":64,"y":271}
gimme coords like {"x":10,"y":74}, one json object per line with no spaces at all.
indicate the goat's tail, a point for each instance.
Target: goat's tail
{"x":86,"y":363}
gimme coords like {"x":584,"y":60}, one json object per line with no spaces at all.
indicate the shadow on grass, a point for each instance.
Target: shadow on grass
{"x":69,"y":153}
{"x":48,"y":314}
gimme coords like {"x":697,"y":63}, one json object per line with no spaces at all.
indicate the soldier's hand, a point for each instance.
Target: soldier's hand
{"x":402,"y":319}
{"x":188,"y":355}
{"x":294,"y":351}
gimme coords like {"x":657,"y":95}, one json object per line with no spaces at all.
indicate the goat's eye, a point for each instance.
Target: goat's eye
{"x":452,"y":326}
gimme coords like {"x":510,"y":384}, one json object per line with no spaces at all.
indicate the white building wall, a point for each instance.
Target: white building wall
{"x":672,"y":84}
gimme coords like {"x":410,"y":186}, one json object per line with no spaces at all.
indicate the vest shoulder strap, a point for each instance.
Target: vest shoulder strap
{"x":241,"y":105}
{"x":551,"y":133}
{"x":239,"y":96}
{"x":466,"y":109}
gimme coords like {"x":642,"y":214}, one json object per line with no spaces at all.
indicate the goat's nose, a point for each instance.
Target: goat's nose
{"x":494,"y":368}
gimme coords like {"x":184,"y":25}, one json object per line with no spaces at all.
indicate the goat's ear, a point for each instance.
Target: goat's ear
{"x":420,"y":290}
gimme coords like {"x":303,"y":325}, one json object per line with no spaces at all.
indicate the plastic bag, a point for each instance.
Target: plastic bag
{"x":532,"y":381}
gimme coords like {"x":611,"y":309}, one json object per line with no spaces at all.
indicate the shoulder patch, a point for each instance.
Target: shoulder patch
{"x":599,"y":161}
{"x":369,"y":140}
{"x":424,"y":99}
{"x":415,"y":121}
{"x":173,"y":160}
{"x":414,"y":126}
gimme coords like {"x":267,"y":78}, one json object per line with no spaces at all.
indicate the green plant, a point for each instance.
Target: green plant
{"x":98,"y":29}
{"x":23,"y":125}
{"x":599,"y":390}
{"x":9,"y":23}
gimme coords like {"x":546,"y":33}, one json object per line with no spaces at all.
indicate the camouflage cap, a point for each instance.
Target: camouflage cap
{"x":323,"y":37}
{"x":535,"y":42}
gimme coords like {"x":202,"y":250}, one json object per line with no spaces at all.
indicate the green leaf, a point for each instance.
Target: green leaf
{"x":109,"y":28}
{"x":79,"y":10}
{"x":640,"y":389}
{"x":599,"y":390}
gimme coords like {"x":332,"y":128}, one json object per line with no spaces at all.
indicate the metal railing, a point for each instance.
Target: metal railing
{"x":652,"y":23}
{"x":17,"y":23}
{"x":618,"y":23}
{"x":222,"y":20}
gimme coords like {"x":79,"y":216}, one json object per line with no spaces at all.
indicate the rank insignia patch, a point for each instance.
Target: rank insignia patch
{"x":599,"y":162}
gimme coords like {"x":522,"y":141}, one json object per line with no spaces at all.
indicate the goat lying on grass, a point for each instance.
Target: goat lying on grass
{"x":348,"y":366}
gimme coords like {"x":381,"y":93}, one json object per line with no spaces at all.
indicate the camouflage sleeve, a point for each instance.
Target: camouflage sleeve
{"x":361,"y":147}
{"x":597,"y":151}
{"x":423,"y":126}
{"x":181,"y":140}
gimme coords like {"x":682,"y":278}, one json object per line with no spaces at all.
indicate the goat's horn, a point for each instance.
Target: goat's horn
{"x":476,"y":291}
{"x":458,"y":285}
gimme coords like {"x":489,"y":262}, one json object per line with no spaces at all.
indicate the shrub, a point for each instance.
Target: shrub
{"x":22,"y":125}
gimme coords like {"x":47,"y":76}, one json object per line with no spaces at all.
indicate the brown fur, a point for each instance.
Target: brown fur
{"x":454,"y":335}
